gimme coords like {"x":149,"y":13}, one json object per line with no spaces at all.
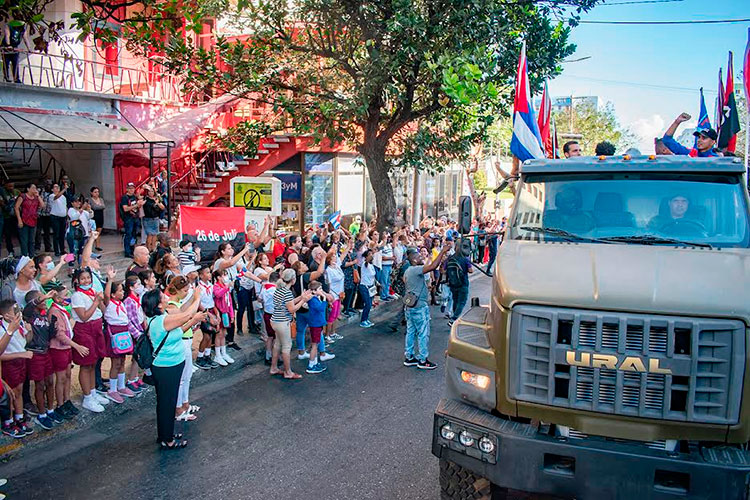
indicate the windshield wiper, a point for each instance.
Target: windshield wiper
{"x":650,"y":239}
{"x":561,"y":233}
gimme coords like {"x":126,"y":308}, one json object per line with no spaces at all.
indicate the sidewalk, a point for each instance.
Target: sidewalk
{"x":251,"y":355}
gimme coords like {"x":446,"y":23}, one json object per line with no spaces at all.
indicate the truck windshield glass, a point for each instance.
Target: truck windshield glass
{"x":636,"y":208}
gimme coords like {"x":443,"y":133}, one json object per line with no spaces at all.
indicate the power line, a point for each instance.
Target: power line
{"x":638,"y":2}
{"x":638,"y":84}
{"x":662,"y":23}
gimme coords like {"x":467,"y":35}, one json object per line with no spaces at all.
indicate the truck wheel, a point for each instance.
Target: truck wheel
{"x":458,"y":483}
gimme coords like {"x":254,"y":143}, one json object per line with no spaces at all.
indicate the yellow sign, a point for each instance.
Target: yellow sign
{"x":254,"y":196}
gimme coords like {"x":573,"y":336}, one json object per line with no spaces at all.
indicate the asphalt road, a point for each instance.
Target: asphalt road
{"x":361,"y":430}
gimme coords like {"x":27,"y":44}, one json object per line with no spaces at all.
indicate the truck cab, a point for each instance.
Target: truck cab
{"x":611,"y":359}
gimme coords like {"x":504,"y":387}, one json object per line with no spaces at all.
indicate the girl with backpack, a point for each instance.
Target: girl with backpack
{"x":118,"y":342}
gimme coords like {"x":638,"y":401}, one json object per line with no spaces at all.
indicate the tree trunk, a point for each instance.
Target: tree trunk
{"x":377,"y":168}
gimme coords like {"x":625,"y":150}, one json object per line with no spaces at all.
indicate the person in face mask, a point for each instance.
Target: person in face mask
{"x":134,"y":290}
{"x":188,"y":255}
{"x":48,"y":271}
{"x":88,"y":306}
{"x":223,"y":301}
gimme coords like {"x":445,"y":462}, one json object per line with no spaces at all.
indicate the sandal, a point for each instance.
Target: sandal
{"x":177,"y":436}
{"x":186,"y":417}
{"x":295,"y":376}
{"x":193,"y":408}
{"x":275,"y":372}
{"x":175,"y":445}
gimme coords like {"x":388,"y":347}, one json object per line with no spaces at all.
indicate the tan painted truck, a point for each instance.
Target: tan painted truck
{"x":611,"y":362}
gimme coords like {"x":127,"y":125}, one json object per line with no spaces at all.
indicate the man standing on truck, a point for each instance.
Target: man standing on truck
{"x":704,"y":144}
{"x":418,"y":315}
{"x":457,"y":270}
{"x":571,"y":149}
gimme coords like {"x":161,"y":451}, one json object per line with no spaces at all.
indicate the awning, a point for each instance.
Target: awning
{"x":73,"y":129}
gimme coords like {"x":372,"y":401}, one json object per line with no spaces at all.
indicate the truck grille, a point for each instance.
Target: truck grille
{"x":662,"y":367}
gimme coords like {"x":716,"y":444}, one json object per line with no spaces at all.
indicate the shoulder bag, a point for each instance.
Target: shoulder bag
{"x":144,"y":353}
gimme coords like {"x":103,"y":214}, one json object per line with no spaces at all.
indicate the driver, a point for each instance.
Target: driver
{"x":678,"y":206}
{"x":569,"y":214}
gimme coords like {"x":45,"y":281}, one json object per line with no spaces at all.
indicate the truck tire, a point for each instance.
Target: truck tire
{"x":458,"y":483}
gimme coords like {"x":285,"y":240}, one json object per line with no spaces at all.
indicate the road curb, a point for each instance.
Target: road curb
{"x":250,"y":355}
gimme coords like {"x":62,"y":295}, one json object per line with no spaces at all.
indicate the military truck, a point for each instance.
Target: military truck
{"x":611,"y":360}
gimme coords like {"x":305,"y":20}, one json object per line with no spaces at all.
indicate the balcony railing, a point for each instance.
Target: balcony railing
{"x":78,"y":74}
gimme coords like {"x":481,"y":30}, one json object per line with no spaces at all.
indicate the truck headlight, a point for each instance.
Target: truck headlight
{"x":466,"y":439}
{"x":478,"y":381}
{"x":486,"y":445}
{"x":447,"y":432}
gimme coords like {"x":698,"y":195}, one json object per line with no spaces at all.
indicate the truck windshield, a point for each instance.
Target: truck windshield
{"x":637,"y":208}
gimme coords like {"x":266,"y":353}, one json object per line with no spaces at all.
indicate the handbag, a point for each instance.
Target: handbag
{"x":122,"y":342}
{"x":373,"y":289}
{"x":411,"y":298}
{"x":293,"y":329}
{"x":144,"y":353}
{"x":356,"y":275}
{"x":304,"y":308}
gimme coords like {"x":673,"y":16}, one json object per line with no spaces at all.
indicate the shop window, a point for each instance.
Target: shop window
{"x":318,"y":198}
{"x":319,"y":162}
{"x":350,"y":188}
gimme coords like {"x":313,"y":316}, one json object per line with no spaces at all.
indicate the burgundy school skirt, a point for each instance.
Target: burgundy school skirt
{"x":61,"y":358}
{"x":109,"y":353}
{"x":14,"y":372}
{"x":269,"y":326}
{"x":90,"y":335}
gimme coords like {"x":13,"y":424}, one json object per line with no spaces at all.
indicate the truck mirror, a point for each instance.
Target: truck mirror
{"x":501,"y":187}
{"x":464,"y":214}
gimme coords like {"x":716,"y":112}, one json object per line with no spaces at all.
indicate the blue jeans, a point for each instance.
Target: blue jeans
{"x":460,"y":296}
{"x":130,"y":223}
{"x":367,"y":301}
{"x":385,"y":281}
{"x":302,"y":323}
{"x":417,"y":329}
{"x":244,"y":305}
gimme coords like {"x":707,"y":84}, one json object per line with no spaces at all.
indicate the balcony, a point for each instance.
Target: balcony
{"x":145,"y":81}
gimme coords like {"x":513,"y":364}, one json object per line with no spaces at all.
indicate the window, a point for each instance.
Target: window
{"x":350,"y":196}
{"x":696,"y":208}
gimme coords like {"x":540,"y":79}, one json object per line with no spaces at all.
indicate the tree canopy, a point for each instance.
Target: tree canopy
{"x":407,"y":83}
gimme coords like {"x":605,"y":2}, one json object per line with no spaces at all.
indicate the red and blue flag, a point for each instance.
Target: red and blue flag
{"x":703,"y":123}
{"x":526,"y":142}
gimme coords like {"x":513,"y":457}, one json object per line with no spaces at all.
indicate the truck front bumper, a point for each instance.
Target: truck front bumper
{"x":592,"y":468}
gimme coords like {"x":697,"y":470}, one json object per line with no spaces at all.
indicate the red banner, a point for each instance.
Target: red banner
{"x":207,"y":227}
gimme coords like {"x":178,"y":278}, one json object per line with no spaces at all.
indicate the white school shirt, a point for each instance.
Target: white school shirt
{"x":114,"y":315}
{"x":58,"y":207}
{"x":207,"y":295}
{"x":17,"y":341}
{"x":80,"y":299}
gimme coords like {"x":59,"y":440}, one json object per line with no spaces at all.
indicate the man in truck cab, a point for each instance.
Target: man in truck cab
{"x":704,"y":144}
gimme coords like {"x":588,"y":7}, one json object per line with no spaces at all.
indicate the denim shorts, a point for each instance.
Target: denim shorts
{"x":151,"y":226}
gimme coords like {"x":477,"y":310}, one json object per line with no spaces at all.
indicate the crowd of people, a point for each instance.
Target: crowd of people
{"x":291,"y":289}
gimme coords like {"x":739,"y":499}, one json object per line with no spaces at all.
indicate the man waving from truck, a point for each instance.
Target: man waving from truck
{"x":704,"y":144}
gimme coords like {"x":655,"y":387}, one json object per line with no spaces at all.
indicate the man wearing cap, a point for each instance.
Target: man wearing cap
{"x":278,"y":246}
{"x":706,"y":139}
{"x":129,"y":206}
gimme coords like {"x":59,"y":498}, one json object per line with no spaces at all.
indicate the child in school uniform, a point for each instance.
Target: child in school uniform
{"x":223,"y":300}
{"x":40,"y":370}
{"x":209,"y":328}
{"x":13,"y":359}
{"x":117,"y":323}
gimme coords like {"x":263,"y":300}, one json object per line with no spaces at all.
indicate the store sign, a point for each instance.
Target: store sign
{"x":291,"y":186}
{"x":257,"y":195}
{"x":208,"y":227}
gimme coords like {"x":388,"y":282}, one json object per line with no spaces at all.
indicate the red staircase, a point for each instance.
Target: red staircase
{"x":202,"y":186}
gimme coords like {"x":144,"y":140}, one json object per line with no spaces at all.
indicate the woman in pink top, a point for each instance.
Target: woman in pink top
{"x":27,"y":212}
{"x":223,"y":300}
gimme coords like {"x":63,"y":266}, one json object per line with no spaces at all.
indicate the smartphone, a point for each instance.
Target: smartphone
{"x":69,"y":257}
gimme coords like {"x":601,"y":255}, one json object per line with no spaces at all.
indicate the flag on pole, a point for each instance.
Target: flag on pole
{"x":526,"y":142}
{"x":335,"y":219}
{"x":718,"y":117}
{"x":545,"y":116}
{"x":555,"y":143}
{"x":731,"y":120}
{"x":746,"y":73}
{"x":703,"y":123}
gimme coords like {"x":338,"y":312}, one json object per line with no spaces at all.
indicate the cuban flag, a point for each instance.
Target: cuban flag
{"x":703,"y":123}
{"x":526,"y":142}
{"x":545,"y":123}
{"x":335,"y":219}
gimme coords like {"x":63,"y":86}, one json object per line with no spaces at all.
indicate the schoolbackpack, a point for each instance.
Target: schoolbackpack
{"x":454,"y":273}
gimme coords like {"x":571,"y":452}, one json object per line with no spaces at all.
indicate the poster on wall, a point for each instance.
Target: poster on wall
{"x":258,"y":195}
{"x":208,"y":227}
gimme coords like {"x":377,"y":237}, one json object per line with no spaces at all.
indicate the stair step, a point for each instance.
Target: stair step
{"x":281,"y":138}
{"x":222,"y":174}
{"x":270,"y":145}
{"x":193,"y":191}
{"x":241,"y":162}
{"x":262,"y":151}
{"x":209,"y":180}
{"x":209,"y":185}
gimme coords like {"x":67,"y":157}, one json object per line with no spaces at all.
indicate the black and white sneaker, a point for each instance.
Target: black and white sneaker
{"x":426,"y":365}
{"x":410,"y":362}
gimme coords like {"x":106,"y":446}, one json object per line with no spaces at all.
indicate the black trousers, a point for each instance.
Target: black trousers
{"x":43,"y":231}
{"x":167,"y":382}
{"x":58,"y":234}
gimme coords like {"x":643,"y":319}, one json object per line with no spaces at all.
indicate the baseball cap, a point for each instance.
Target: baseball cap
{"x":190,"y":268}
{"x":131,"y":184}
{"x":280,"y":233}
{"x":709,"y":132}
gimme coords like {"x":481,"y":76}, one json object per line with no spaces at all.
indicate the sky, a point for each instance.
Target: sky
{"x":653,"y":73}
